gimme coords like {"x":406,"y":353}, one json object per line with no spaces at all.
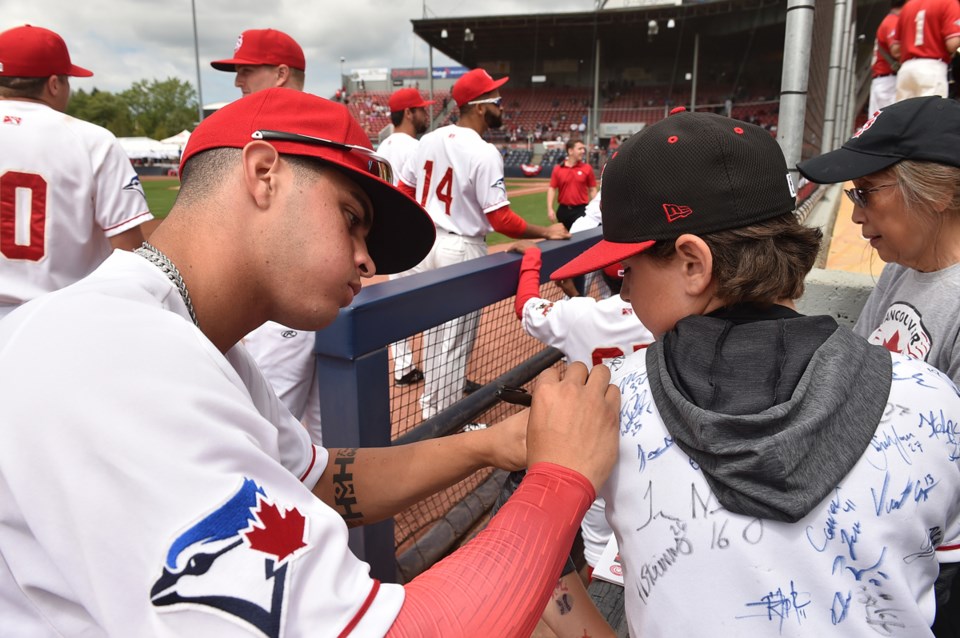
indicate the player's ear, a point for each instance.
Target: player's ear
{"x":695,"y":261}
{"x":53,"y":86}
{"x":261,"y":166}
{"x":283,"y":75}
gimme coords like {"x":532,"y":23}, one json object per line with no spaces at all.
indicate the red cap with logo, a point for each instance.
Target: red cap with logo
{"x":257,"y":47}
{"x":473,"y":84}
{"x":35,"y":52}
{"x":298,"y":123}
{"x":408,"y":99}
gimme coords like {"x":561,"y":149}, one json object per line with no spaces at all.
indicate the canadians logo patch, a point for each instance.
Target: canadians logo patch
{"x":675,"y":212}
{"x":234,"y":561}
{"x":866,"y":125}
{"x":902,"y":331}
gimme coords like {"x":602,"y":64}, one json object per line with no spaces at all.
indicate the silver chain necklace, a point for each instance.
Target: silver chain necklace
{"x":163,"y":262}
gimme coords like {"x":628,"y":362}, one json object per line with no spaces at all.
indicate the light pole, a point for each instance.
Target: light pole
{"x":343,"y":89}
{"x":196,"y":54}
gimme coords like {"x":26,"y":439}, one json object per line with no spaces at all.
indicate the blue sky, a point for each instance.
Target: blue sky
{"x":123,"y":41}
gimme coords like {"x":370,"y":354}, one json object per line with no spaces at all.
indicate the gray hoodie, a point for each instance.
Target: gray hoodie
{"x":775,"y":407}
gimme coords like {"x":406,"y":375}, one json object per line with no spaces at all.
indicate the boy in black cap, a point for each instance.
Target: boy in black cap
{"x":813,"y":475}
{"x":905,"y":167}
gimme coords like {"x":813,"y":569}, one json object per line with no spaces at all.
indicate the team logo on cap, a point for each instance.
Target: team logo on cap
{"x":866,"y":125}
{"x":235,"y":560}
{"x":675,"y":212}
{"x":239,"y":44}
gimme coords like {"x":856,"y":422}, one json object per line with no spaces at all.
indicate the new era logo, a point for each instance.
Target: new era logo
{"x":675,"y":211}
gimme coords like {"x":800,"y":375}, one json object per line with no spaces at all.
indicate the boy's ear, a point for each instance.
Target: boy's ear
{"x":696,"y":262}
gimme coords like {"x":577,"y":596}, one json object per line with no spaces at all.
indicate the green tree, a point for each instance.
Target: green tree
{"x":102,"y":108}
{"x":159,"y":109}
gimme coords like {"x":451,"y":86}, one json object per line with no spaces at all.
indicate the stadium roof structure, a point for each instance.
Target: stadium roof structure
{"x":528,"y":45}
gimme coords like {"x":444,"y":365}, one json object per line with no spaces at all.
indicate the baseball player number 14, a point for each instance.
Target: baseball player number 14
{"x":444,"y":188}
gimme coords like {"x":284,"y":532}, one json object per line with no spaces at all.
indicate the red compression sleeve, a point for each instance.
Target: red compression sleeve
{"x":499,"y":583}
{"x":410,"y":191}
{"x":528,"y":286}
{"x":507,"y":222}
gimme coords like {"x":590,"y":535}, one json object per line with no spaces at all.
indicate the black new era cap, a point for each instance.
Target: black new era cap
{"x":689,"y":173}
{"x":921,"y":128}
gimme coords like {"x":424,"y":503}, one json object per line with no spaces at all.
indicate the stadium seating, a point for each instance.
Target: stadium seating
{"x":514,"y":159}
{"x":546,"y":114}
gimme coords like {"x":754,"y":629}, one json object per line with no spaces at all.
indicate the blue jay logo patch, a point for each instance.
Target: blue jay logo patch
{"x":234,"y":561}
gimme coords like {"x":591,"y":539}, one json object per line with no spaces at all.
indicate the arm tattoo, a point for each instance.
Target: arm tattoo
{"x":343,"y":493}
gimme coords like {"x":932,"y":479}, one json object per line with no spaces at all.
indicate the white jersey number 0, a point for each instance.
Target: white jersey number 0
{"x":19,"y":240}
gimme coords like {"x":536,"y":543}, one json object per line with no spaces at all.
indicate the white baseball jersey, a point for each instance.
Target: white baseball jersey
{"x":165,"y":493}
{"x":65,"y":187}
{"x":861,"y":563}
{"x":592,"y":332}
{"x":459,"y":179}
{"x":586,"y":330}
{"x":396,"y":149}
{"x":286,"y":359}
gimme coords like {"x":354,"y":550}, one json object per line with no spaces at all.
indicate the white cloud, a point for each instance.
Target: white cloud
{"x":129,"y":40}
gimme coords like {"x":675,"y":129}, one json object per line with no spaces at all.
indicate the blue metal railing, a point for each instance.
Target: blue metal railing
{"x":352,"y":360}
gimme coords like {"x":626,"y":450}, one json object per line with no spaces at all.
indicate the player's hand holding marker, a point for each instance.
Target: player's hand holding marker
{"x":503,"y":445}
{"x":574,"y":421}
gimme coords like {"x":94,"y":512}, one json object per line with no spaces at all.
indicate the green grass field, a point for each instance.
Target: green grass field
{"x":532,"y":207}
{"x":160,"y":194}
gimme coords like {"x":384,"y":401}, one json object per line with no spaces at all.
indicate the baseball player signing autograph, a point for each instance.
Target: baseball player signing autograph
{"x":151,"y":484}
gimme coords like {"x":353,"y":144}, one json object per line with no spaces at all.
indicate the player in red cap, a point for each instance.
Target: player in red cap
{"x":196,"y":504}
{"x":68,"y":193}
{"x":408,"y":114}
{"x":458,"y":178}
{"x":264,"y":58}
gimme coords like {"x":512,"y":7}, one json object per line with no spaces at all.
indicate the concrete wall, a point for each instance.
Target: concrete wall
{"x":836,"y":293}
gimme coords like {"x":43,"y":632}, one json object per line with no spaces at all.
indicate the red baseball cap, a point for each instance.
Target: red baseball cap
{"x":298,"y":123}
{"x":473,"y":84}
{"x":263,"y":47}
{"x":408,"y":99}
{"x":35,"y":52}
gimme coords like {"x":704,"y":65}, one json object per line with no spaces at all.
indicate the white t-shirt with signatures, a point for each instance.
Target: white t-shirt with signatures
{"x":861,"y":563}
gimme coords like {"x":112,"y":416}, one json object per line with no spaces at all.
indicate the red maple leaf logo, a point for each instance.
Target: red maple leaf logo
{"x":277,"y":533}
{"x":893,"y":343}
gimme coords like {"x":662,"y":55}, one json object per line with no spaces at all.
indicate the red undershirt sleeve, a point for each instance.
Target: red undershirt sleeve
{"x":528,"y":286}
{"x":408,"y":190}
{"x":507,"y":222}
{"x":499,"y":583}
